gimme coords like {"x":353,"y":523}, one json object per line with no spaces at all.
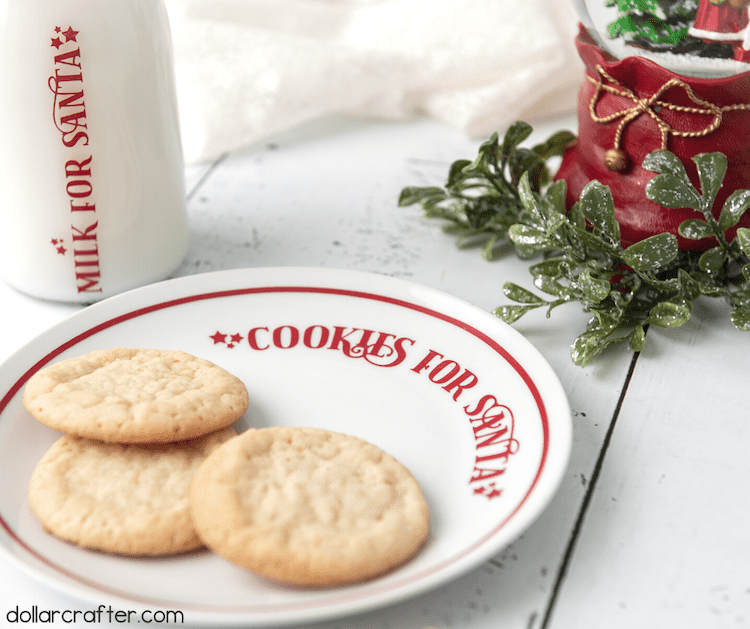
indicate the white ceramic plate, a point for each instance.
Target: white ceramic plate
{"x":460,"y":398}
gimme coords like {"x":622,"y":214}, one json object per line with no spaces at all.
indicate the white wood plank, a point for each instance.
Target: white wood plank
{"x":665,"y":542}
{"x":664,"y":539}
{"x":328,"y":196}
{"x":330,"y":199}
{"x":194,"y":174}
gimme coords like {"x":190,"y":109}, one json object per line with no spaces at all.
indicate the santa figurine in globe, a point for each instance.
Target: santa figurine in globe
{"x":724,"y":21}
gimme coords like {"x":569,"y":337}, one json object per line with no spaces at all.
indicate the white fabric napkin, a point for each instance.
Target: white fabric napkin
{"x":248,"y":68}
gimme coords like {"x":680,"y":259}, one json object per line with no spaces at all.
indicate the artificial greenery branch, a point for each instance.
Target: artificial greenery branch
{"x":507,"y":195}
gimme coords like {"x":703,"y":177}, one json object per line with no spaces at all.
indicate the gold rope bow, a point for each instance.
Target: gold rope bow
{"x":616,"y":158}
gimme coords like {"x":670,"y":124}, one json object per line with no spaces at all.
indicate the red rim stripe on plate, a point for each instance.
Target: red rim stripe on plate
{"x":285,"y":289}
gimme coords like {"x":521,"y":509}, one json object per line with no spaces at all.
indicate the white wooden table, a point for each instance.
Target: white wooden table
{"x":650,"y":527}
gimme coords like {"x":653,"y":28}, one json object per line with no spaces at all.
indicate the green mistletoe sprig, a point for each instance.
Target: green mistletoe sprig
{"x":507,"y":194}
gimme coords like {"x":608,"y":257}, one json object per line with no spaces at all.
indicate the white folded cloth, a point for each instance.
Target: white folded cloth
{"x":246,"y":69}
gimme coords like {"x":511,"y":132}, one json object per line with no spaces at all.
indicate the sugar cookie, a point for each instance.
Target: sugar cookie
{"x":135,"y":396}
{"x":308,"y":506}
{"x":126,"y":499}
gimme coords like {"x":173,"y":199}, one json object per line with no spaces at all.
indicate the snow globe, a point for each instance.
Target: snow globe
{"x":668,"y":75}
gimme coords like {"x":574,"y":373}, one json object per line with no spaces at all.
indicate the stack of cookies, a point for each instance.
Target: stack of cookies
{"x":150,"y":466}
{"x":138,"y":424}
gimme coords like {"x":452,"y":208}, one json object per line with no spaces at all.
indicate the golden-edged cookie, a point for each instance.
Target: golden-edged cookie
{"x":125,"y":499}
{"x":308,"y":506}
{"x":126,"y":395}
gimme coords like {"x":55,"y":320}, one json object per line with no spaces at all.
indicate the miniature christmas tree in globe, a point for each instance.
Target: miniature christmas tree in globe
{"x":660,"y":25}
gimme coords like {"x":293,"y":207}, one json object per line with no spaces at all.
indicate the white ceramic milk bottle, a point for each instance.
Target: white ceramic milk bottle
{"x":92,"y":198}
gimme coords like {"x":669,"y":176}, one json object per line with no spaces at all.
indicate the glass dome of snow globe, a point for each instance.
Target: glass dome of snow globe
{"x":700,"y":38}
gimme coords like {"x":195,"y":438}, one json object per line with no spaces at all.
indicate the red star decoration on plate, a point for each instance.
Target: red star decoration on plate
{"x":492,"y":493}
{"x":61,"y":250}
{"x":70,"y":34}
{"x":56,"y":42}
{"x":218,"y":338}
{"x":54,"y":241}
{"x":236,"y":338}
